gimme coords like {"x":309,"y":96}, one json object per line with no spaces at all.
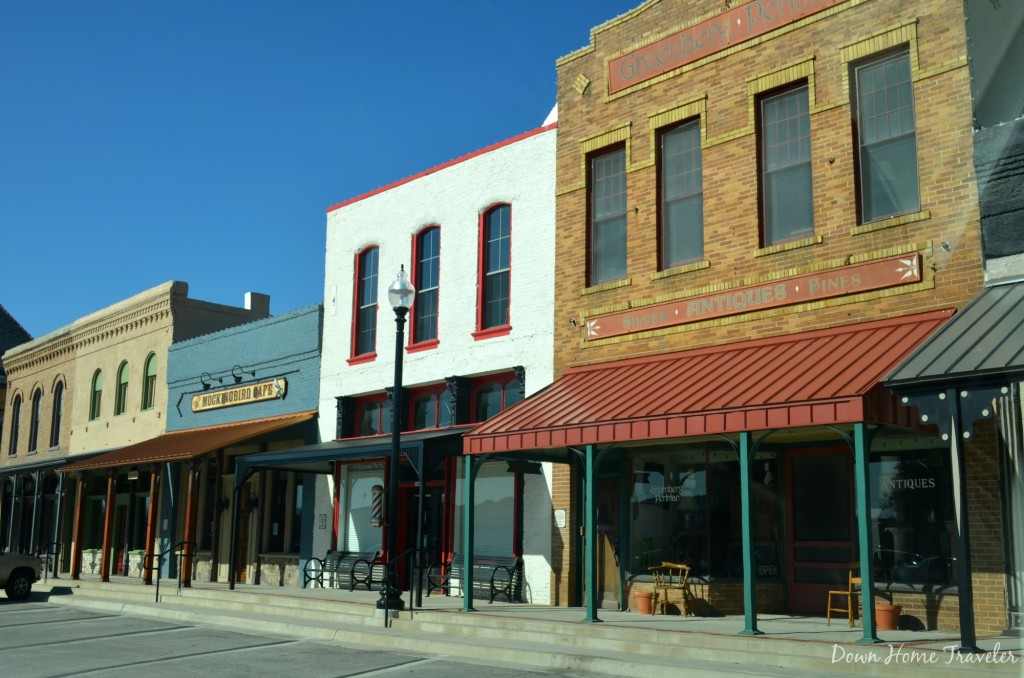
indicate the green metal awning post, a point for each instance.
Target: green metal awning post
{"x":862,"y":479}
{"x":590,"y":533}
{"x":746,"y":453}
{"x":467,"y":533}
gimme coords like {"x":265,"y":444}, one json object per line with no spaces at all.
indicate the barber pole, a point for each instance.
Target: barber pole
{"x":377,"y":509}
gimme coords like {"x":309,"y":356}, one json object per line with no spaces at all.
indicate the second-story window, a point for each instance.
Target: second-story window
{"x":121,"y":394}
{"x":428,"y":271}
{"x":96,"y":398}
{"x":149,"y":383}
{"x":57,"y":415}
{"x":12,"y":446}
{"x":608,"y":216}
{"x":365,"y":325}
{"x":887,"y":137}
{"x":33,"y":424}
{"x":787,"y":202}
{"x":682,"y":195}
{"x":431,"y":410}
{"x":373,"y":417}
{"x":496,"y":267}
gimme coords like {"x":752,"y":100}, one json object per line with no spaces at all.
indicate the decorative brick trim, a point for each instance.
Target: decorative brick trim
{"x":604,"y":287}
{"x":891,"y":222}
{"x":681,"y":270}
{"x":788,"y":246}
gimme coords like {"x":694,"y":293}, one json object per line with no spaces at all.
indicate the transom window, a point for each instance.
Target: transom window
{"x":428,"y":271}
{"x":608,"y":216}
{"x":365,"y":326}
{"x":682,"y":195}
{"x":95,"y":401}
{"x":121,"y":394}
{"x":788,"y":206}
{"x":496,"y":268}
{"x":887,"y":137}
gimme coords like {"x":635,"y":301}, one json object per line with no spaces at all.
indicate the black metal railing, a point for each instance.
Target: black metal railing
{"x":184,"y":549}
{"x":416,"y":581}
{"x":50,"y":555}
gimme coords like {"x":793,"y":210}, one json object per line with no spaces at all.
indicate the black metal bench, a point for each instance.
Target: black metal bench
{"x":344,"y":568}
{"x":492,"y":576}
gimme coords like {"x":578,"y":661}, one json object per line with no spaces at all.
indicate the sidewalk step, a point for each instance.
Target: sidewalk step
{"x":606,"y":649}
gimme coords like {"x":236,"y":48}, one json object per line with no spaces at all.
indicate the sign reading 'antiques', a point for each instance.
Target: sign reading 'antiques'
{"x":240,"y":395}
{"x":746,"y":22}
{"x":785,"y":292}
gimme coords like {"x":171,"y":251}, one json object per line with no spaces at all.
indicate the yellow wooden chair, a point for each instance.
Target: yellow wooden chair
{"x":849,"y":595}
{"x":671,"y":577}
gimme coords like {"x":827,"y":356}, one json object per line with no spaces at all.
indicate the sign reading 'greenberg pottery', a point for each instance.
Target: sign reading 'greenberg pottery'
{"x":240,"y":395}
{"x":786,"y":292}
{"x":746,"y":22}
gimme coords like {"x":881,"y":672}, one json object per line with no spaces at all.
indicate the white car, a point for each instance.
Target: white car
{"x":18,"y":572}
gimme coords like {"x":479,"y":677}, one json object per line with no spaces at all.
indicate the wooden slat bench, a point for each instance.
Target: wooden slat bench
{"x":344,"y":568}
{"x":492,"y":576}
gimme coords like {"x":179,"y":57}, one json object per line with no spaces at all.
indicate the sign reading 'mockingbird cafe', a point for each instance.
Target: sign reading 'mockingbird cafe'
{"x":240,"y":395}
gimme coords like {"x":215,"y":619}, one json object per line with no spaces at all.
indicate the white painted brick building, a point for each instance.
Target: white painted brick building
{"x":477,"y":234}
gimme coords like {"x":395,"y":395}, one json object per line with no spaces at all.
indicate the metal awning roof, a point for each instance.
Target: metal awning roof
{"x":319,"y":458}
{"x":984,"y":340}
{"x":816,"y":378}
{"x":188,"y":444}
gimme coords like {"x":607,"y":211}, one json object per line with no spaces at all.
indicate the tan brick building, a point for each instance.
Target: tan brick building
{"x":762,"y":208}
{"x":94,"y":385}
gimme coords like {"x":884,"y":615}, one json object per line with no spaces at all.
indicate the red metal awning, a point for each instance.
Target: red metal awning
{"x":180,"y":445}
{"x":813,"y":378}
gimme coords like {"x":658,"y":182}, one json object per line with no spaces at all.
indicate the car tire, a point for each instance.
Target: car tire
{"x":18,"y":586}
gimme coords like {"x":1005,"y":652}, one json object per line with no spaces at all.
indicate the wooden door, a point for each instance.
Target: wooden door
{"x":821,"y":526}
{"x":608,"y":543}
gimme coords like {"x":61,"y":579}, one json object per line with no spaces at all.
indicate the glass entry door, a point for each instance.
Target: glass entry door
{"x":821,"y":526}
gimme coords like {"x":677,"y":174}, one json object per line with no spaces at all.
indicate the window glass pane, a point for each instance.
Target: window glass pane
{"x":33,"y":429}
{"x":912,"y":518}
{"x":12,"y":448}
{"x":497,"y":261}
{"x":369,"y":419}
{"x":786,"y":156}
{"x":513,"y":393}
{"x":445,"y":417}
{"x":57,"y":415}
{"x":488,"y":401}
{"x":278,"y":511}
{"x":682,"y":209}
{"x":425,"y":411}
{"x":887,"y":137}
{"x":608,"y":217}
{"x":496,"y":295}
{"x":366,"y":314}
{"x":427,"y":273}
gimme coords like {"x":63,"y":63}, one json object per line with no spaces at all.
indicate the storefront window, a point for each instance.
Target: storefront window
{"x":912,"y":518}
{"x":685,"y":507}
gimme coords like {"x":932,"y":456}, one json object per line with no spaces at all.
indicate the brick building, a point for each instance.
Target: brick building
{"x":95,"y":385}
{"x":762,"y":208}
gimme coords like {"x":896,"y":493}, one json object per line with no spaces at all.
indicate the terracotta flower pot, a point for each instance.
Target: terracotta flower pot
{"x":887,"y":617}
{"x":644,"y":602}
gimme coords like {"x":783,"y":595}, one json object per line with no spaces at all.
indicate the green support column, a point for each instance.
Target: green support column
{"x":590,"y":532}
{"x":749,"y":561}
{"x":467,"y":536}
{"x":862,"y":479}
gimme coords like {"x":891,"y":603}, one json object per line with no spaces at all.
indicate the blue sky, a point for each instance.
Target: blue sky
{"x":143,"y":141}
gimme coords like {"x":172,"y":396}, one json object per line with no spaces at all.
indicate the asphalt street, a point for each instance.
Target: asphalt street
{"x":38,"y":640}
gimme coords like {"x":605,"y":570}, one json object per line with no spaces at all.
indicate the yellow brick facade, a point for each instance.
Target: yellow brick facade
{"x":722,"y":90}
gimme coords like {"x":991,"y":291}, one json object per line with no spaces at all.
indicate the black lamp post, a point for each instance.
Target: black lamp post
{"x":400,"y":294}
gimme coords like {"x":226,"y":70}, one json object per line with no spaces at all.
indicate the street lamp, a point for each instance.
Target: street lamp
{"x":400,"y":294}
